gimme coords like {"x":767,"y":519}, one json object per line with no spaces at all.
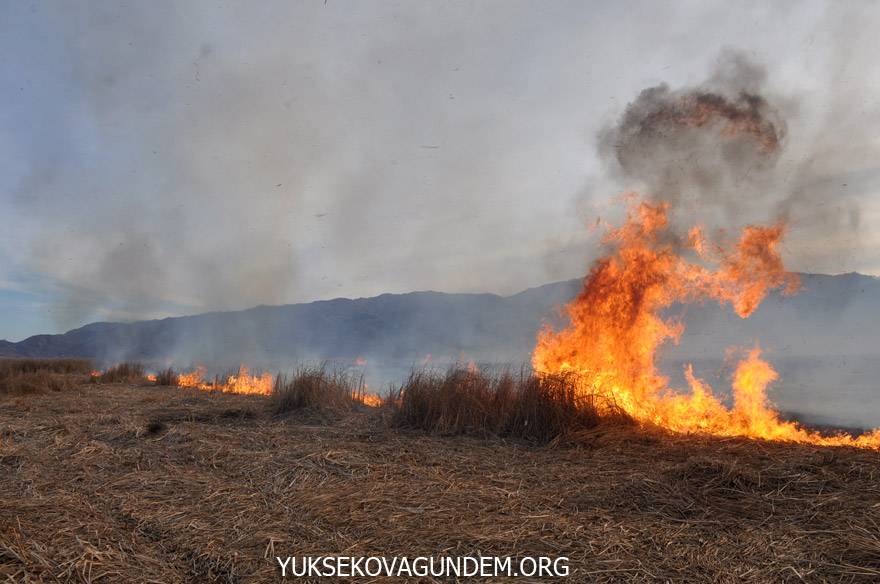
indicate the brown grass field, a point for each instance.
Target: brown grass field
{"x":134,"y":483}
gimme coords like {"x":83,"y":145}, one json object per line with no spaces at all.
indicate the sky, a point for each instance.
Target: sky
{"x":170,"y":158}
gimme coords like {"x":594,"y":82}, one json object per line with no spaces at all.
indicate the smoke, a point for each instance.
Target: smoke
{"x":196,"y":158}
{"x":166,"y":158}
{"x":720,"y":154}
{"x":710,"y":151}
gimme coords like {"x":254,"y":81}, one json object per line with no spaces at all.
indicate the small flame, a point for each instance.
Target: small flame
{"x":371,"y":400}
{"x":368,"y":399}
{"x":243,"y":382}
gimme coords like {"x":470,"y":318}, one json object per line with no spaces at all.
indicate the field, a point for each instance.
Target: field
{"x":134,"y":483}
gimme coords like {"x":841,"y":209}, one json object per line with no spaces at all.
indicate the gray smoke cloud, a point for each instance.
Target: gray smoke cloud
{"x":194,"y":158}
{"x":171,"y":158}
{"x":711,"y":151}
{"x":716,"y":153}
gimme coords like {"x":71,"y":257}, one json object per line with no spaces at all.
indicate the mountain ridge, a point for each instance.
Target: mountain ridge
{"x":838,"y":309}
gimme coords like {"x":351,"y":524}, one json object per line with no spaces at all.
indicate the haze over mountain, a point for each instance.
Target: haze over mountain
{"x":820,"y":340}
{"x":832,"y":315}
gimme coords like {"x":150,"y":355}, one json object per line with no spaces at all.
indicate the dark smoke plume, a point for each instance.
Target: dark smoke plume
{"x":709,"y":150}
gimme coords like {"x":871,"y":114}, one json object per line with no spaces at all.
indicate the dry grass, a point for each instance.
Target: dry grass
{"x":118,"y":484}
{"x":127,"y":372}
{"x":316,"y":388}
{"x":69,"y":366}
{"x":167,"y":377}
{"x":23,"y":383}
{"x":21,"y":376}
{"x":464,"y":401}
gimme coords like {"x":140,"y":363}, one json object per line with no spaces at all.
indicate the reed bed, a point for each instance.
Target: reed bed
{"x":68,"y":366}
{"x":167,"y":376}
{"x":524,"y":405}
{"x":316,"y":387}
{"x":21,"y":376}
{"x":127,"y":372}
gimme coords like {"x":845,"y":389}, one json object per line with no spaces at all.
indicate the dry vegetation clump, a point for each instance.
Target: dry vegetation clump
{"x":167,"y":377}
{"x":316,"y":388}
{"x":19,"y":383}
{"x":36,"y":375}
{"x":529,"y":406}
{"x":127,"y":372}
{"x":45,"y":365}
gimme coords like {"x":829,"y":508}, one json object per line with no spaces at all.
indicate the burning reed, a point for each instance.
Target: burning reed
{"x":687,"y":239}
{"x":128,"y":372}
{"x":469,"y":401}
{"x":167,"y":377}
{"x":238,"y":381}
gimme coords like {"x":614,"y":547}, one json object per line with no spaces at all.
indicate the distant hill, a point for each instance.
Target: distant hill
{"x":823,"y":341}
{"x":833,"y":315}
{"x":394,"y":326}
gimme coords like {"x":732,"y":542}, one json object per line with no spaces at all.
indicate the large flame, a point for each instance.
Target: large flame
{"x":617,"y":326}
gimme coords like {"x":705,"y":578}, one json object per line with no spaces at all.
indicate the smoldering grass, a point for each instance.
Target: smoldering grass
{"x":156,"y":426}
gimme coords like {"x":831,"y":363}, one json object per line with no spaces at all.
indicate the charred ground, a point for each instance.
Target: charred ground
{"x":121,"y":483}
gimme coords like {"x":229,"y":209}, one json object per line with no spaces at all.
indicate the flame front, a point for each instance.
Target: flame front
{"x":243,"y":382}
{"x":616,"y":327}
{"x":370,"y":400}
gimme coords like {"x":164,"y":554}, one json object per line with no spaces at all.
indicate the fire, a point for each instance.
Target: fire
{"x":617,"y":326}
{"x":151,"y":377}
{"x":194,"y":379}
{"x":371,"y":400}
{"x":246,"y":383}
{"x":360,"y":361}
{"x":243,"y":382}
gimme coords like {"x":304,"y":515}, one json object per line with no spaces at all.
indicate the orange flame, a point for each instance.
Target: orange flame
{"x":616,"y":328}
{"x":371,"y":400}
{"x":194,"y":379}
{"x":243,"y":382}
